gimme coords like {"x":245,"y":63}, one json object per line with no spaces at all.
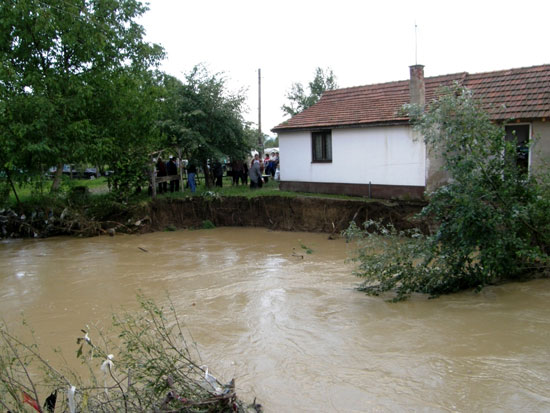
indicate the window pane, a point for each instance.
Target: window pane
{"x":328,"y":146}
{"x":318,"y":148}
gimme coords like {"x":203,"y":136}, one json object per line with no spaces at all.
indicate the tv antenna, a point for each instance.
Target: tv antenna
{"x":415,"y":44}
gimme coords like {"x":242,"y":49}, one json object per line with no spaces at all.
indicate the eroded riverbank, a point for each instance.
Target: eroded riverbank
{"x":308,"y":214}
{"x":288,"y":325}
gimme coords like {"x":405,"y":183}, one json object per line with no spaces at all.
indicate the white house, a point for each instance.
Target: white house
{"x":356,"y":140}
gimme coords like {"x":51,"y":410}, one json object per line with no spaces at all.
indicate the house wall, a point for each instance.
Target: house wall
{"x":540,"y":149}
{"x":539,"y":157}
{"x":386,"y":157}
{"x":435,"y":174}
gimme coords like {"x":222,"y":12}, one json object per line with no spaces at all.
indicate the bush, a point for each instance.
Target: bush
{"x":151,"y":367}
{"x":207,"y":224}
{"x":492,"y":221}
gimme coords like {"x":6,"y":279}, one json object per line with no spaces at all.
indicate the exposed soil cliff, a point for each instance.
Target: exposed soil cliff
{"x":279,"y":213}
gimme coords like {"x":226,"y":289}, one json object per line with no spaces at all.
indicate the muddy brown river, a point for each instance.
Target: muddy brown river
{"x":288,"y":325}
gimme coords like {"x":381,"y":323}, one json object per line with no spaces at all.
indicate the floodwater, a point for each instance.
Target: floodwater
{"x":288,"y":325}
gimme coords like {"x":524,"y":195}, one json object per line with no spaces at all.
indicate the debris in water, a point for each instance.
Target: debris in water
{"x":212,"y":381}
{"x":296,"y":255}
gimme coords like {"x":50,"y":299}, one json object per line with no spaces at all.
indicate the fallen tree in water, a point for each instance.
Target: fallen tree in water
{"x":490,"y":220}
{"x":152,"y":367}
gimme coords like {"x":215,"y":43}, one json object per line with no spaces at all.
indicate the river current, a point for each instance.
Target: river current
{"x":288,"y":325}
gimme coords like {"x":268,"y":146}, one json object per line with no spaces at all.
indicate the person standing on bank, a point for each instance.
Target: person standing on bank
{"x":172,"y":169}
{"x":237,"y":168}
{"x":218,"y":173}
{"x":244,"y":173}
{"x":161,"y":172}
{"x":191,"y":173}
{"x":255,"y":172}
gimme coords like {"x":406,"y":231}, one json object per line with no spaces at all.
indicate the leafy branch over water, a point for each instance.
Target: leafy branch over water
{"x":153,"y":366}
{"x":491,"y":219}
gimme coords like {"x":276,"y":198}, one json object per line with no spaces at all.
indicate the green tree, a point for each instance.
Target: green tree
{"x":271,"y":142}
{"x":492,"y":222}
{"x":131,"y":133}
{"x":299,"y":100}
{"x":172,"y":117}
{"x":61,"y":64}
{"x":204,"y":119}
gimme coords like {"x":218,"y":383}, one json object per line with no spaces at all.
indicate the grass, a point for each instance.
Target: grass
{"x":269,"y":189}
{"x":28,"y":193}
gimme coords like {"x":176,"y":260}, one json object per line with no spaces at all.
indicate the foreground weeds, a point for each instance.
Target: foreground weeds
{"x":151,"y":366}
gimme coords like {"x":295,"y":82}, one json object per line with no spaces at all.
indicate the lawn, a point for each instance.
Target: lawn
{"x":28,"y":191}
{"x":100,"y":186}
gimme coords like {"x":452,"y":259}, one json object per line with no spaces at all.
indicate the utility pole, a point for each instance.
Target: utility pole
{"x":260,"y":137}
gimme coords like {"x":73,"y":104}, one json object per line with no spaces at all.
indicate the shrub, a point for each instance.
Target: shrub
{"x":151,"y":367}
{"x":207,"y":224}
{"x":492,"y":220}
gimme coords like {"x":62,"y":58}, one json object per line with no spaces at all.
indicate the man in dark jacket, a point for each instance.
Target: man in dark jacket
{"x":161,"y":172}
{"x":218,"y":173}
{"x":172,"y":169}
{"x":255,"y":172}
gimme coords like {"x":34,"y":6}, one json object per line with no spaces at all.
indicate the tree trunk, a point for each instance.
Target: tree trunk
{"x":13,"y":188}
{"x":180,"y":171}
{"x":57,"y":178}
{"x":152,"y":178}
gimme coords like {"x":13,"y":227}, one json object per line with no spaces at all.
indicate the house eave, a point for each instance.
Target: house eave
{"x":400,"y":122}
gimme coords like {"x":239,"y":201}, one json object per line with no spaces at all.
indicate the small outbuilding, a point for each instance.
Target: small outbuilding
{"x":357,"y":141}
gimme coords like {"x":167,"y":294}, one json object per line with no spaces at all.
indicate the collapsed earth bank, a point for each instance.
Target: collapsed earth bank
{"x":308,"y":214}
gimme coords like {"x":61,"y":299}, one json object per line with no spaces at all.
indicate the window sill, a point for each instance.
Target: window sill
{"x":327,"y":161}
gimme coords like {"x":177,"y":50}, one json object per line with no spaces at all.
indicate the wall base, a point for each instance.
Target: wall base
{"x":366,"y":190}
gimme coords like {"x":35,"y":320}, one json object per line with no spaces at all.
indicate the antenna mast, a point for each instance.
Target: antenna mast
{"x":415,"y":44}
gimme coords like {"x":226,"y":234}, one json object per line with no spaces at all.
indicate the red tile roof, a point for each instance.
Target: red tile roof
{"x":522,"y":93}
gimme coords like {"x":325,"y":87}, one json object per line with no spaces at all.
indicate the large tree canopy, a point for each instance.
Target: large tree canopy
{"x":74,"y":81}
{"x":299,"y":100}
{"x":203,"y":118}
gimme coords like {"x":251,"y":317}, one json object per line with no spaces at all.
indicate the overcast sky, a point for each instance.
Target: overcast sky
{"x":363,"y":42}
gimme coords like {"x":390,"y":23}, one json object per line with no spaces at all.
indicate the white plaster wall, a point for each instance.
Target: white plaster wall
{"x":381,"y":155}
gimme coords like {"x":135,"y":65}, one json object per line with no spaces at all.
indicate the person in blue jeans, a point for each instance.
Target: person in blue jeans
{"x":191,"y":173}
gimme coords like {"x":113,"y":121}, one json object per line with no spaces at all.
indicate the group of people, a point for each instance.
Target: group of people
{"x":269,"y":166}
{"x":171,"y":168}
{"x":240,"y":172}
{"x":168,"y":169}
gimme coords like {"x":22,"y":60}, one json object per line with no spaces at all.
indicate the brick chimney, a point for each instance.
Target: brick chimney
{"x":417,"y":89}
